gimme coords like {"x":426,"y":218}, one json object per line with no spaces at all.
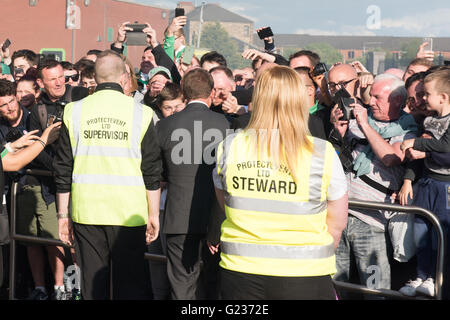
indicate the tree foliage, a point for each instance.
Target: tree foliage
{"x":409,"y":50}
{"x":328,"y":54}
{"x":215,"y":37}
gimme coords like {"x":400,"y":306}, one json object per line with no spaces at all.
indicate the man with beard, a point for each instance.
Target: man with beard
{"x":13,"y":119}
{"x":11,"y":114}
{"x":38,"y":194}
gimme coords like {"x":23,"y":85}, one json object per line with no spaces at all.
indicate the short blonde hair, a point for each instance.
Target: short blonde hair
{"x":442,"y":81}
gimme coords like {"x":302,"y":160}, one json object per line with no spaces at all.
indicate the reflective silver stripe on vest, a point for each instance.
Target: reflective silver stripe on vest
{"x":133,"y":152}
{"x":275,"y":206}
{"x":137,"y":127}
{"x":111,"y":180}
{"x":76,"y":117}
{"x":277,"y":251}
{"x":226,"y":145}
{"x":104,"y":151}
{"x":316,"y":170}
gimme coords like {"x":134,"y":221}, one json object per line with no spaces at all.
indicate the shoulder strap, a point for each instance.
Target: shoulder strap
{"x":376,"y":185}
{"x":69,"y":94}
{"x":42,"y":111}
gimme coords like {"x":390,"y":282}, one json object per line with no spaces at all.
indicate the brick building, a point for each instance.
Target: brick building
{"x":354,"y":47}
{"x":41,"y":24}
{"x":237,"y":26}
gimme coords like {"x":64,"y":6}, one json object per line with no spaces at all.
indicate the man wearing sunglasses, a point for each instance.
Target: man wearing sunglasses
{"x":71,"y":75}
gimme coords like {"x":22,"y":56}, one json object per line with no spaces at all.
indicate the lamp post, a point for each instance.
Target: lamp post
{"x":73,"y":21}
{"x":200,"y":24}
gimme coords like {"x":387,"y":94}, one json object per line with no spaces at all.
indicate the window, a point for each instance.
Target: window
{"x":351,"y":54}
{"x":246,"y":31}
{"x":110,"y":35}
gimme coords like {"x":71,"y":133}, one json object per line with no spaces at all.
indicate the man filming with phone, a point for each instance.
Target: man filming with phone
{"x":174,"y":40}
{"x":374,"y":171}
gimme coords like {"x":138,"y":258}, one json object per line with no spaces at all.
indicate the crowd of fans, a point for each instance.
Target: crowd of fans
{"x":389,"y":130}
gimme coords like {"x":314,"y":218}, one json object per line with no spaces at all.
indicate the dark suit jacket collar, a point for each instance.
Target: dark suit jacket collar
{"x":197,"y":105}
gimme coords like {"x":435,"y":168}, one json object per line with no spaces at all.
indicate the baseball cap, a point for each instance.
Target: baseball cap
{"x":160,"y":70}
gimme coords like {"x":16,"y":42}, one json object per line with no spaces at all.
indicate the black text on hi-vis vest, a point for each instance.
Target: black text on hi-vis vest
{"x":105,"y":128}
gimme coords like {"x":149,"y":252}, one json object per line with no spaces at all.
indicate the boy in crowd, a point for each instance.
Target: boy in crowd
{"x":434,"y":187}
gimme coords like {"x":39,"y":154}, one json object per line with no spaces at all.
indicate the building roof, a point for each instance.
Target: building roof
{"x":352,"y":42}
{"x":142,"y":3}
{"x":214,"y":12}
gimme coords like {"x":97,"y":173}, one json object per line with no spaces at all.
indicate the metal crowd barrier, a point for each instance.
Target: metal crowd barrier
{"x":440,"y":249}
{"x":161,"y":258}
{"x":14,"y":237}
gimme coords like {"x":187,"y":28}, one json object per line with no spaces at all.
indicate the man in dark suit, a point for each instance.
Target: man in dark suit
{"x":187,"y":141}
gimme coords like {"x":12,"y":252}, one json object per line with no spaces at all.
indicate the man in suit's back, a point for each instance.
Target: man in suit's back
{"x":187,"y":140}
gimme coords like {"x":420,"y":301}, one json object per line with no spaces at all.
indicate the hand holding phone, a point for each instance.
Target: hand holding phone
{"x":265,"y":33}
{"x":137,"y":27}
{"x":6,"y":45}
{"x":179,"y":12}
{"x":426,"y":49}
{"x":429,"y":46}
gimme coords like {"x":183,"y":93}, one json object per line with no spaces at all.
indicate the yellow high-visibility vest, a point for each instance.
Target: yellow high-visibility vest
{"x":275,"y":226}
{"x":106,"y":130}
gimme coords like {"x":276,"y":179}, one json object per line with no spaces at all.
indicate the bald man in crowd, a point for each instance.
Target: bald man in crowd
{"x":107,"y":160}
{"x":375,"y":134}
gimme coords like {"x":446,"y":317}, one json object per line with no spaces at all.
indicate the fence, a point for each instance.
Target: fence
{"x":342,"y":285}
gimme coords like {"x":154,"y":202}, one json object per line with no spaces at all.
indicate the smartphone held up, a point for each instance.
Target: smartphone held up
{"x":429,"y":46}
{"x":6,"y":45}
{"x":265,"y":33}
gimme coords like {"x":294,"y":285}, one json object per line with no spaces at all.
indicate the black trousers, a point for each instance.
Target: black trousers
{"x":244,"y":286}
{"x":191,"y":269}
{"x":100,"y":249}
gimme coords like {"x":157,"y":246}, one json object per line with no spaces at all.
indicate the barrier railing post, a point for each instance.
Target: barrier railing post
{"x":12,"y":242}
{"x":14,"y":237}
{"x":407,"y":209}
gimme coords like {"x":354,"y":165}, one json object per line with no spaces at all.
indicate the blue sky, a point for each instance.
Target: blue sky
{"x":416,"y":18}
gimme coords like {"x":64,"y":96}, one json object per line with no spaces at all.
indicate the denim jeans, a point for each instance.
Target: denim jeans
{"x":368,"y":245}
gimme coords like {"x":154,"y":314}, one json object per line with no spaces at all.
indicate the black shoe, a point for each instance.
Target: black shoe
{"x":38,"y":294}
